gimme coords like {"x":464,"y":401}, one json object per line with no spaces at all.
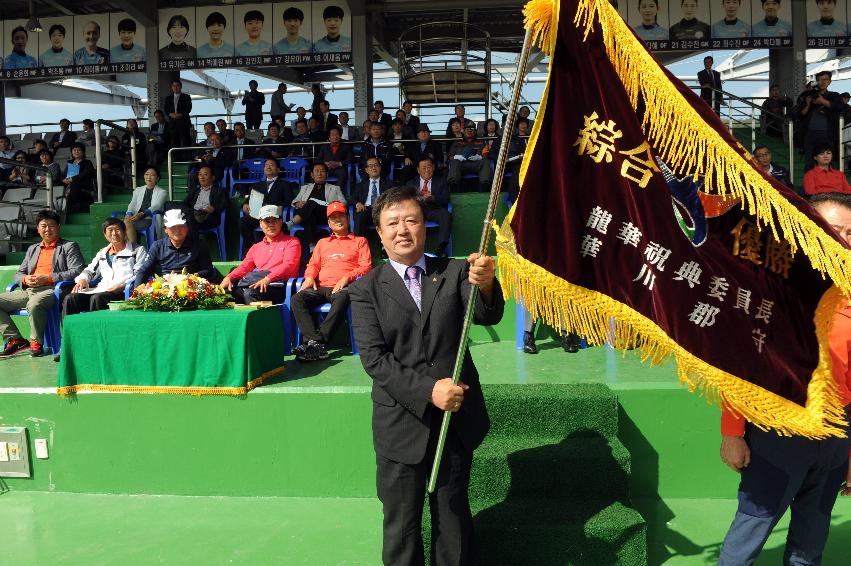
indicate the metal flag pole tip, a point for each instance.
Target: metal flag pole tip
{"x":499,"y":172}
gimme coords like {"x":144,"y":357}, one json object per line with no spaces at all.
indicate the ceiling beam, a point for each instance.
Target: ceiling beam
{"x":144,"y":12}
{"x":59,"y":7}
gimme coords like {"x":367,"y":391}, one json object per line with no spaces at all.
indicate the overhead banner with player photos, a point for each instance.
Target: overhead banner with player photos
{"x":204,"y":37}
{"x":717,"y":24}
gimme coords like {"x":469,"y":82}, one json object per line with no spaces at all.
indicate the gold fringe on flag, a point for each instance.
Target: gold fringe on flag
{"x":689,"y":146}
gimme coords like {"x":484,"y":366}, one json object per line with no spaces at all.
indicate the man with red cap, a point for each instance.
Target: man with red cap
{"x":336,"y":261}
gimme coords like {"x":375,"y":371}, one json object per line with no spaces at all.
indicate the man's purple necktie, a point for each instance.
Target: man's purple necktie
{"x":412,"y":279}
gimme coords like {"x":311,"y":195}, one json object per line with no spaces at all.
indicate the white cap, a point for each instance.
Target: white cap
{"x":173,"y":217}
{"x":268,"y":211}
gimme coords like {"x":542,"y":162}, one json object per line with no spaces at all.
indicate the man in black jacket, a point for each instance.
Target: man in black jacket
{"x":64,"y":137}
{"x":434,"y":190}
{"x":177,"y":107}
{"x":366,"y":193}
{"x":408,"y":316}
{"x":763,"y":156}
{"x":820,"y":118}
{"x":271,"y":190}
{"x":710,"y":84}
{"x":425,"y":146}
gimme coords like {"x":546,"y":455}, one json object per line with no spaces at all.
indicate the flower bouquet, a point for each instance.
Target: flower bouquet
{"x":176,"y":292}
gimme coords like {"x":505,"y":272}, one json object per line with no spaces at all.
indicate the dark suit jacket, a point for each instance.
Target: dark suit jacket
{"x":282,"y":192}
{"x":326,"y":125}
{"x":344,"y":154}
{"x":437,"y":185}
{"x":67,"y":141}
{"x":704,"y":77}
{"x":247,"y":152}
{"x":184,"y":104}
{"x":405,"y":351}
{"x":220,"y":162}
{"x":218,"y":198}
{"x":361,"y":190}
{"x":432,"y":150}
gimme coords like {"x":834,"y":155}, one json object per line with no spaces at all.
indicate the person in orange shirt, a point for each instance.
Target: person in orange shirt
{"x":823,"y":178}
{"x":47,"y":262}
{"x":781,"y":472}
{"x":336,"y":261}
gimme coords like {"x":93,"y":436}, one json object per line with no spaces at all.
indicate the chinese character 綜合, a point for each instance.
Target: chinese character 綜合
{"x":597,"y":139}
{"x":657,"y":255}
{"x":599,"y":219}
{"x":649,"y":276}
{"x":743,"y":300}
{"x":644,"y":167}
{"x":690,"y":273}
{"x":747,"y":244}
{"x":590,"y":246}
{"x":703,"y":314}
{"x":758,"y":338}
{"x":718,"y":287}
{"x":778,"y":257}
{"x":629,"y":234}
{"x":763,"y":311}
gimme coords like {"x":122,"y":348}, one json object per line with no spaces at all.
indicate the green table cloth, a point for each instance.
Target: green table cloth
{"x":225,"y":351}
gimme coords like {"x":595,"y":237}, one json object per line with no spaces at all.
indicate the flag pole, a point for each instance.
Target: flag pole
{"x":499,"y":171}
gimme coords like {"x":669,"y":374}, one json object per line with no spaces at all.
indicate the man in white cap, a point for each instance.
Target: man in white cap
{"x":336,"y":261}
{"x":274,"y":258}
{"x":177,"y":251}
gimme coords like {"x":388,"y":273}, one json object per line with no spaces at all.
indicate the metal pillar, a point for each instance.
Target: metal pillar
{"x":361,"y":61}
{"x":799,"y":47}
{"x":2,"y":106}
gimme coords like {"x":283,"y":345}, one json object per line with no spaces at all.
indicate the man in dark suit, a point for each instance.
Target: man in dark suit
{"x":763,"y":158}
{"x":337,"y":157}
{"x":64,"y":137}
{"x":435,"y":192}
{"x":411,"y":121}
{"x":240,"y":153}
{"x":425,"y":146}
{"x":325,"y":118}
{"x":272,"y":190}
{"x":710,"y":79}
{"x":383,"y":117}
{"x":218,"y":158}
{"x":177,"y":107}
{"x":366,"y":193}
{"x":408,"y":316}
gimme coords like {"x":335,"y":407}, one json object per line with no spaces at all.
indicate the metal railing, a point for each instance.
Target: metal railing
{"x":99,"y":154}
{"x":48,"y":177}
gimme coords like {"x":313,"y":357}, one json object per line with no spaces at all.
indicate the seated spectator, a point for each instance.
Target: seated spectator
{"x":524,"y":113}
{"x":435,"y":193}
{"x":217,"y":158}
{"x":209,"y":130}
{"x":400,"y":152}
{"x":177,"y":252}
{"x":411,"y":120}
{"x":147,"y":200}
{"x":376,"y":146}
{"x":425,"y":147}
{"x":158,"y":140}
{"x":46,"y":263}
{"x":365,"y":130}
{"x":239,"y":139}
{"x":462,"y":122}
{"x":271,"y":191}
{"x":336,"y":261}
{"x":381,"y":116}
{"x":87,"y":134}
{"x":64,"y":137}
{"x":763,"y":157}
{"x":456,"y":131}
{"x":300,"y":114}
{"x":21,"y":175}
{"x":224,"y":132}
{"x":37,"y":147}
{"x":207,"y":200}
{"x":366,"y":193}
{"x":490,"y":130}
{"x":112,"y":162}
{"x":310,"y":203}
{"x":55,"y":171}
{"x":79,"y":181}
{"x":315,"y":133}
{"x":823,"y":178}
{"x":347,"y":133}
{"x":325,"y":119}
{"x":6,"y":152}
{"x":469,"y":155}
{"x":516,"y":150}
{"x":133,"y":127}
{"x":408,"y":132}
{"x":336,"y":156}
{"x":274,"y":258}
{"x":112,"y":267}
{"x":301,"y":136}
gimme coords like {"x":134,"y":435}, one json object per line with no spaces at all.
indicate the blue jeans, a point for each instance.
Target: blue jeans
{"x":785,"y":472}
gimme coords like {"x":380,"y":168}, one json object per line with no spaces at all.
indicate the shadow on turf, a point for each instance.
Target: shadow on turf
{"x":530,"y":527}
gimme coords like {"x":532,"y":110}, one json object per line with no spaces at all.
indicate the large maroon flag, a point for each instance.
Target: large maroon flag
{"x":641,"y":221}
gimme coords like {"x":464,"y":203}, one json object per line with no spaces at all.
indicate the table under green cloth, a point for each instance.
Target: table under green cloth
{"x":225,"y":351}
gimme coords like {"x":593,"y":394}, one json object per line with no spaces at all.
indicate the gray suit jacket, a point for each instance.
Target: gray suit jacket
{"x":405,"y":351}
{"x":67,"y":261}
